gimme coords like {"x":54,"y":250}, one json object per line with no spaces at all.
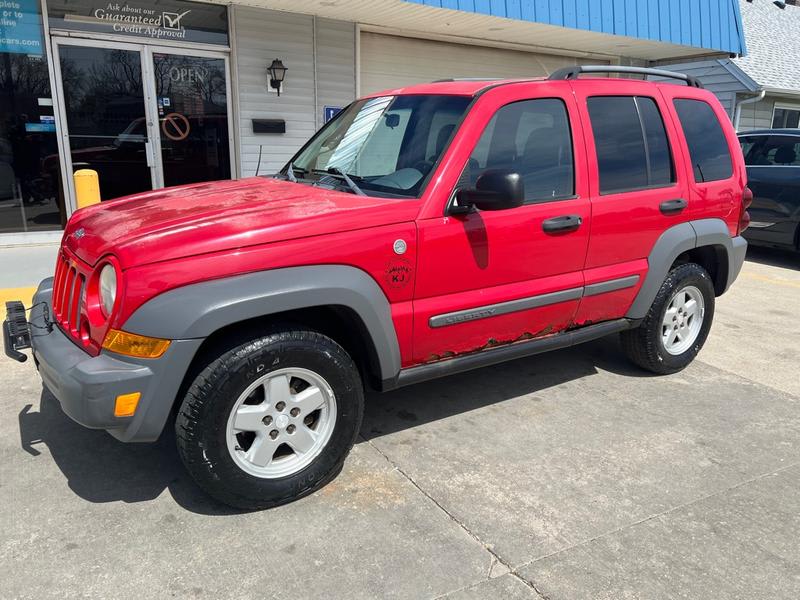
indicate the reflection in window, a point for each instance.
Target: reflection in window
{"x":708,"y":147}
{"x":631,"y":143}
{"x":31,"y":198}
{"x":531,"y":138}
{"x":389,"y":144}
{"x":772,"y":150}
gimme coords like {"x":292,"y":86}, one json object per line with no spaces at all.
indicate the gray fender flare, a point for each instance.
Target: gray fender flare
{"x":677,"y":240}
{"x":200,"y":309}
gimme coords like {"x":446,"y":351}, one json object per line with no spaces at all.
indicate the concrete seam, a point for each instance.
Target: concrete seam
{"x":494,"y":557}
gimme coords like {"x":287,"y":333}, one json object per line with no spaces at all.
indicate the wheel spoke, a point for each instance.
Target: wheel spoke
{"x":249,"y":417}
{"x":277,"y":390}
{"x":671,"y":337}
{"x":262,"y":450}
{"x":302,"y":440}
{"x":691,"y":307}
{"x":309,"y":400}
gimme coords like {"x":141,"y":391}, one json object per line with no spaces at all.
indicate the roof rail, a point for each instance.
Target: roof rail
{"x":573,"y":72}
{"x":451,"y":79}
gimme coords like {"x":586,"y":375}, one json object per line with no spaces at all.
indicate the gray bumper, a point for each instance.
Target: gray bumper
{"x":87,"y":386}
{"x":736,"y":258}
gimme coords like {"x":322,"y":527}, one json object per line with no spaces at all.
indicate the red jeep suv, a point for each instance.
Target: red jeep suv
{"x":424,"y":231}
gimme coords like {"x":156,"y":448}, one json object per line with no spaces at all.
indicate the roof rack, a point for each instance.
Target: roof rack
{"x":573,"y":72}
{"x":451,"y":79}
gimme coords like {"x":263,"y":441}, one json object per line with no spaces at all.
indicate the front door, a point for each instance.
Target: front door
{"x":494,"y":277}
{"x":143,"y":117}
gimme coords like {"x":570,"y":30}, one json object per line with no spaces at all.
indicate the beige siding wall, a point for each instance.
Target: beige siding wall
{"x":393,"y":61}
{"x":759,"y":114}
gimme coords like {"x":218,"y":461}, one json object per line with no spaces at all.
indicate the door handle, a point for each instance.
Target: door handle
{"x":562,"y":223}
{"x":670,"y":207}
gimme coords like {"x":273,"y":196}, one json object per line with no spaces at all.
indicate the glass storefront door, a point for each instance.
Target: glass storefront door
{"x":192,"y":101}
{"x":104,"y":106}
{"x":144,"y":117}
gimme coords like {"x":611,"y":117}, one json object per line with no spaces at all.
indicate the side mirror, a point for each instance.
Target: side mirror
{"x":496,"y":189}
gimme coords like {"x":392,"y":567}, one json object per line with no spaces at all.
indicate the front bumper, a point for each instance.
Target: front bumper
{"x":87,"y":386}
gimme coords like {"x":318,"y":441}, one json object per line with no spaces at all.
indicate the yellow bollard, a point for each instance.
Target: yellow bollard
{"x":87,"y":187}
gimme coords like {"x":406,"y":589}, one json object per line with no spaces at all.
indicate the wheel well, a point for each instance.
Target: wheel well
{"x":339,"y":323}
{"x":713,"y":259}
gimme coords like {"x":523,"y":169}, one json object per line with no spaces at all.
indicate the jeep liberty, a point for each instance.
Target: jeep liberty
{"x":424,"y":231}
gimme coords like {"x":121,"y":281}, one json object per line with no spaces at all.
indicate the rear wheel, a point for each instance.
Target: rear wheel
{"x":677,"y":324}
{"x":271,"y":420}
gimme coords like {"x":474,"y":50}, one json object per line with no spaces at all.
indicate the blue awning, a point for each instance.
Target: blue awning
{"x":714,"y":25}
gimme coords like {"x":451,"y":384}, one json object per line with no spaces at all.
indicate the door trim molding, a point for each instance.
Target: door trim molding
{"x":612,"y":285}
{"x":503,"y":308}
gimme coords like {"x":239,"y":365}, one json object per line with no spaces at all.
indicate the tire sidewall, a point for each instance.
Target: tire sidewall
{"x":682,"y":277}
{"x":231,"y":376}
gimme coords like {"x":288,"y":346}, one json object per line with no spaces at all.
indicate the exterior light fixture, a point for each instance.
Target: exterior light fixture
{"x":276,"y":72}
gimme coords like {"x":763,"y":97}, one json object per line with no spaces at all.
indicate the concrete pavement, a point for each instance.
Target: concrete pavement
{"x":567,"y":475}
{"x":22,"y":268}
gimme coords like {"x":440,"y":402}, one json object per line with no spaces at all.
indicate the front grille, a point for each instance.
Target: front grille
{"x":69,"y":293}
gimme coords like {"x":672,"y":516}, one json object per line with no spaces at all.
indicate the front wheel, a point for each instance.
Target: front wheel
{"x":271,"y":420}
{"x":677,"y":324}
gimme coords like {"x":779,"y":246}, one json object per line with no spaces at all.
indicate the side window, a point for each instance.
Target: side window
{"x":748,"y":145}
{"x":532,"y":138}
{"x":708,"y":148}
{"x":773,"y":150}
{"x":632,"y":148}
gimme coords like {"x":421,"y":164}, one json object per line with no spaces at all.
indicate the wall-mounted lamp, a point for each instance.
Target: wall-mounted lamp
{"x":276,"y":72}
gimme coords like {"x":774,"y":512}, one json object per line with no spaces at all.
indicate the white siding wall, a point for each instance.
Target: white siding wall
{"x":759,"y":114}
{"x":392,"y":61}
{"x":262,"y":35}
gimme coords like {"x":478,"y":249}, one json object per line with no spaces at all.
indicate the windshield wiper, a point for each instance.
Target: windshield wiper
{"x":337,"y":171}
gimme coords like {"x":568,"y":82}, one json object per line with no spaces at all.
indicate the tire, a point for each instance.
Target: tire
{"x":232,"y":410}
{"x":646,"y":345}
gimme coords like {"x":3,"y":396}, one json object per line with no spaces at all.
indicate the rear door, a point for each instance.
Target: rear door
{"x":709,"y":142}
{"x":637,"y":187}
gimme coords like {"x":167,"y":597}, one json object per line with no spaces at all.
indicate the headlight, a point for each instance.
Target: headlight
{"x":108,"y":288}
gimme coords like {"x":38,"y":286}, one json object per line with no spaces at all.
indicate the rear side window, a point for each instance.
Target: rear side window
{"x":771,"y":151}
{"x":532,"y":138}
{"x":631,"y":143}
{"x":708,"y":148}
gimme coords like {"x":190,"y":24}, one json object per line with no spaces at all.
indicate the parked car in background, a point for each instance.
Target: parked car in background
{"x":772,"y":157}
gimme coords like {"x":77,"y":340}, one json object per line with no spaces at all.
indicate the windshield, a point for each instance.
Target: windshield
{"x":386,"y":145}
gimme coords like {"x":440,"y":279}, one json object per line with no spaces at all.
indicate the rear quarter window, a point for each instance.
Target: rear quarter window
{"x":708,"y":147}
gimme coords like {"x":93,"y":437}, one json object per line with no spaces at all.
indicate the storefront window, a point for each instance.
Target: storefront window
{"x":31,"y":198}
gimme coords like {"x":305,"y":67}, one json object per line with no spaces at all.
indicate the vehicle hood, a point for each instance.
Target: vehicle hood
{"x":209,"y":217}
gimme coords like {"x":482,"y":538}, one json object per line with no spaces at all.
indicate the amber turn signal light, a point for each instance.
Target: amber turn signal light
{"x":125,"y":404}
{"x":131,"y":344}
